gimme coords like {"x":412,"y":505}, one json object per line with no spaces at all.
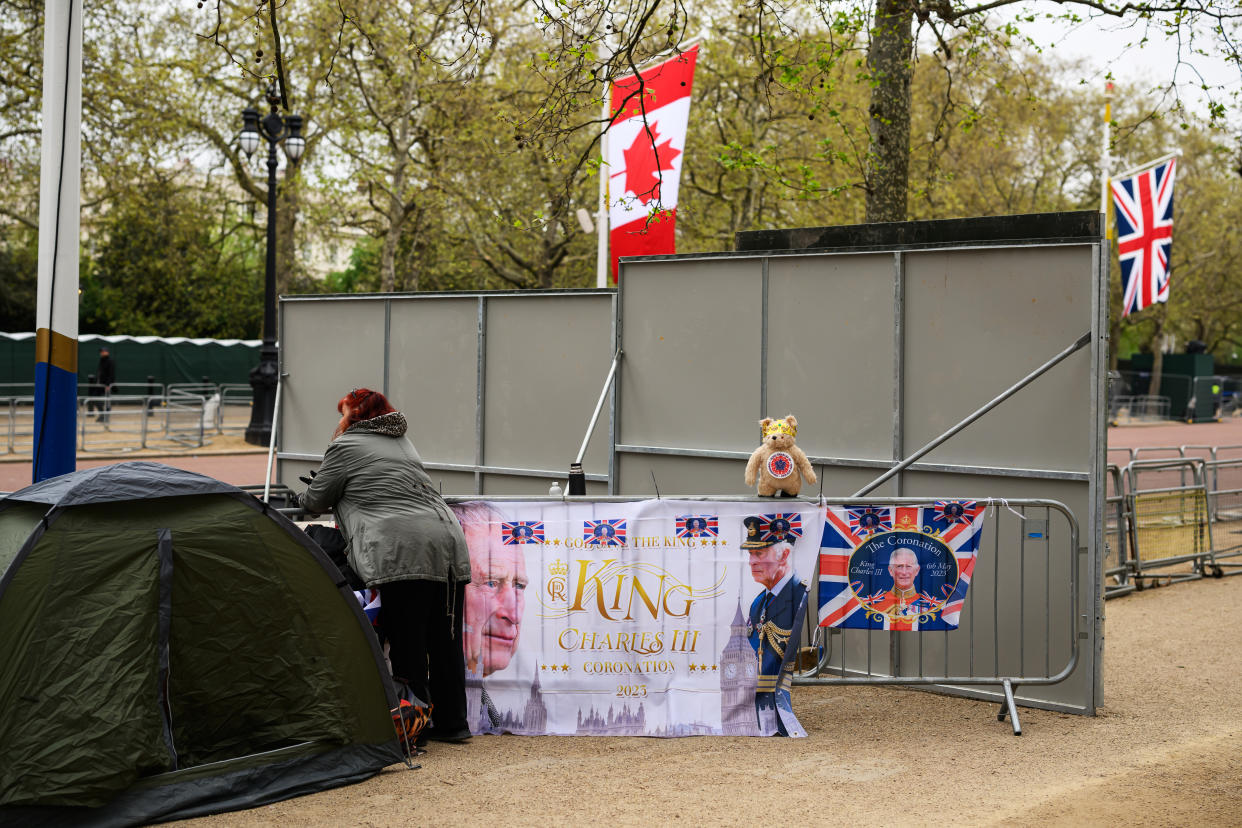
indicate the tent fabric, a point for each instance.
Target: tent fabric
{"x":164,"y":631}
{"x":123,"y":481}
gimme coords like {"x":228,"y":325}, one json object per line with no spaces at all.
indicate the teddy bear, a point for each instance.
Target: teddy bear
{"x":778,"y":464}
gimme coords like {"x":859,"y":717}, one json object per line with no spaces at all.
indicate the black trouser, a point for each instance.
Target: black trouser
{"x":424,"y":645}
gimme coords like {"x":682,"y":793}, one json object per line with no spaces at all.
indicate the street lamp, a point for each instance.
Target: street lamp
{"x":275,"y":129}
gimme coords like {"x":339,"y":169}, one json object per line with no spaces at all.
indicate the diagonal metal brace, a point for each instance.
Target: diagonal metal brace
{"x":1081,"y":342}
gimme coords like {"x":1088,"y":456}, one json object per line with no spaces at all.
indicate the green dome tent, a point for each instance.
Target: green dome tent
{"x":170,"y":648}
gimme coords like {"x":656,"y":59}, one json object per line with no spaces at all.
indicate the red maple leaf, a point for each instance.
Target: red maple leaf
{"x":646,"y":158}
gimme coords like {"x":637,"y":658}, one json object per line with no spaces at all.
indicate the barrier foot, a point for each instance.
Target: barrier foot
{"x":1010,"y":709}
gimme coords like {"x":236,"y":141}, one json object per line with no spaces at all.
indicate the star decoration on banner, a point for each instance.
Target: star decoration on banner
{"x":645,"y":160}
{"x":564,"y":668}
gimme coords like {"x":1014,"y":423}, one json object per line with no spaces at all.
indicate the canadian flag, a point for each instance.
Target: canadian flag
{"x":646,"y":138}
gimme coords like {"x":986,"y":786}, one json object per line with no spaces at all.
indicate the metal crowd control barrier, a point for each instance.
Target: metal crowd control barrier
{"x":1117,"y":535}
{"x":1166,"y":520}
{"x":236,"y":401}
{"x":1233,"y":452}
{"x":1143,"y":408}
{"x":1119,"y":457}
{"x":179,"y":416}
{"x":186,"y":416}
{"x":1225,"y":510}
{"x":1011,"y":565}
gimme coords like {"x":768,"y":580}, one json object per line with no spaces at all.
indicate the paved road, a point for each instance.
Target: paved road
{"x":238,"y":469}
{"x":1226,"y":433}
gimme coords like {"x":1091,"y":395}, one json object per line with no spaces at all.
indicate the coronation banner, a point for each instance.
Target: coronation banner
{"x":645,"y":618}
{"x":898,"y":567}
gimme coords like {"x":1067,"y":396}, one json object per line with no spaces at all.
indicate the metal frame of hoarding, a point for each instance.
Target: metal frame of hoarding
{"x":1091,"y":473}
{"x":478,"y":468}
{"x":1098,"y":406}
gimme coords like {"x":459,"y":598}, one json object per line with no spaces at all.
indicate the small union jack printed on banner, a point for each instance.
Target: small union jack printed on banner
{"x":787,"y":527}
{"x":697,"y":526}
{"x":1143,"y":204}
{"x":521,"y":531}
{"x":949,"y":512}
{"x":898,"y":567}
{"x":865,"y":520}
{"x":604,"y":532}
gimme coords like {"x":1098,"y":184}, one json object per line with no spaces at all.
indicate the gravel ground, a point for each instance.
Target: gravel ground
{"x":1161,"y":752}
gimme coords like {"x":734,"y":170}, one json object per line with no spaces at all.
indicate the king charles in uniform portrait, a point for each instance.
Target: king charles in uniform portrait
{"x":903,"y":599}
{"x":775,"y":616}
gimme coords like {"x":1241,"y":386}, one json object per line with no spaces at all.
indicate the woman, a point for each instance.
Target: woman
{"x":403,"y":539}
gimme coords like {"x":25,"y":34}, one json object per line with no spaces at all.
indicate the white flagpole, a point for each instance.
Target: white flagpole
{"x":601,"y":218}
{"x":56,"y":308}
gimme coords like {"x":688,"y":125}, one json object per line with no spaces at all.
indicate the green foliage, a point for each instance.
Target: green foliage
{"x":19,"y":272}
{"x":363,"y":273}
{"x":165,"y":267}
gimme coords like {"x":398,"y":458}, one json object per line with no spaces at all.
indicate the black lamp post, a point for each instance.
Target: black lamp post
{"x":274,"y":129}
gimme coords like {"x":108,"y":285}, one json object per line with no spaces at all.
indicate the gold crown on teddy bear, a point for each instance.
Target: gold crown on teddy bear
{"x":780,"y":427}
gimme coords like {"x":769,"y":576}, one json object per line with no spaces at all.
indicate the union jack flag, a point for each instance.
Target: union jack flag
{"x":781,"y":527}
{"x":697,"y":526}
{"x":867,"y":520}
{"x":859,"y":591}
{"x":521,"y":531}
{"x":604,"y":532}
{"x":370,"y":601}
{"x":949,"y":512}
{"x":1144,"y":207}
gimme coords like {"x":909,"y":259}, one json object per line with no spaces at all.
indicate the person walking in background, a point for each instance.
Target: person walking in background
{"x":402,"y":539}
{"x":107,"y":378}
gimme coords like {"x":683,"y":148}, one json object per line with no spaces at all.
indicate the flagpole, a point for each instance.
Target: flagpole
{"x":601,"y":217}
{"x":1105,"y":156}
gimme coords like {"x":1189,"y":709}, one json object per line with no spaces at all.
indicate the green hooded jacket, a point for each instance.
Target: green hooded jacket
{"x":397,"y":526}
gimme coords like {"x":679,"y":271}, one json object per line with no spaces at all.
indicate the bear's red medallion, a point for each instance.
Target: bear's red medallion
{"x":780,"y":465}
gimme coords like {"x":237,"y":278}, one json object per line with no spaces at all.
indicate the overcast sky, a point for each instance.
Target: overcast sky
{"x":1107,"y":45}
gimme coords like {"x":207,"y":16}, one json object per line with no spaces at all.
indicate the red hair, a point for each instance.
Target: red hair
{"x":364,"y":404}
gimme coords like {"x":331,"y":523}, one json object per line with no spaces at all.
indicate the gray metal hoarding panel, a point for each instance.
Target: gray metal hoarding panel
{"x":950,"y":329}
{"x":977,"y":321}
{"x":432,"y":361}
{"x":691,"y":332}
{"x":546,"y":361}
{"x":830,"y":352}
{"x":326,"y":349}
